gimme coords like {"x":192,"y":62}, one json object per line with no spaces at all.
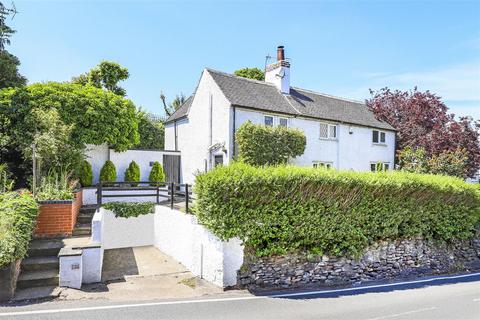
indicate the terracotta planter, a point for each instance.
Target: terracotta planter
{"x":57,"y":218}
{"x":8,"y":280}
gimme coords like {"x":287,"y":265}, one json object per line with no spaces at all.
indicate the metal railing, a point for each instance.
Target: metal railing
{"x":166,"y":193}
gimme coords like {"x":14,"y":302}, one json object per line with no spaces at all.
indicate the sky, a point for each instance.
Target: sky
{"x":341,"y":48}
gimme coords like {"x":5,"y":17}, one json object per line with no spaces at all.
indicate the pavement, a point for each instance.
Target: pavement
{"x":450,"y":297}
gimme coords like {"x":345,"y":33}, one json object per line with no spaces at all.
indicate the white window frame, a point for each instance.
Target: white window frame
{"x":383,"y":164}
{"x":280,"y":120}
{"x":269,"y":116}
{"x":323,"y":164}
{"x":329,"y":126}
{"x":380,"y":132}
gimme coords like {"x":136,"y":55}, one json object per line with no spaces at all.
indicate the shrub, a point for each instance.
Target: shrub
{"x":262,"y":145}
{"x":130,"y":209}
{"x":86,"y":174}
{"x":157,"y":174}
{"x":6,"y":183}
{"x":56,"y":186}
{"x":18,"y":212}
{"x":132,"y":173}
{"x":108,"y":173}
{"x":285,"y":208}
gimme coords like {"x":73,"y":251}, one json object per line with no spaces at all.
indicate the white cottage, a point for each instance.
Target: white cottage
{"x":340,"y":133}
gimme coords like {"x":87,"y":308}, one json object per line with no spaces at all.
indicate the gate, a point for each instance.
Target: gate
{"x":171,"y":165}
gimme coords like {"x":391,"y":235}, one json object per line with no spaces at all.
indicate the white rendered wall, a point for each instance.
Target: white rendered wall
{"x":96,"y":156}
{"x":92,"y":262}
{"x":90,"y":196}
{"x":348,"y":152}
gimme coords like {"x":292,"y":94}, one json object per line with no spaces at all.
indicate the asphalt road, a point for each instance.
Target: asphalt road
{"x":451,"y":298}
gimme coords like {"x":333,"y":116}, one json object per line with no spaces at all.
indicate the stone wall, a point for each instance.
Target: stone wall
{"x":381,"y":261}
{"x":8,"y":279}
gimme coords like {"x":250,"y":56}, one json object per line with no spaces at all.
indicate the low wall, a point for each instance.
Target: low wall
{"x":58,"y":218}
{"x":384,"y":260}
{"x":90,"y":196}
{"x":8,"y":280}
{"x":180,"y":236}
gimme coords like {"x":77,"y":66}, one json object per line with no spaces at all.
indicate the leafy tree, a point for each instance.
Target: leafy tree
{"x":132,"y":173}
{"x":251,"y":73}
{"x":86,"y":174}
{"x":422,"y":120}
{"x":262,"y":145}
{"x":151,"y":131}
{"x":5,"y":31}
{"x":413,"y":160}
{"x":174,"y":105}
{"x":9,"y":75}
{"x":108,"y":173}
{"x":106,"y":76}
{"x":157,"y":174}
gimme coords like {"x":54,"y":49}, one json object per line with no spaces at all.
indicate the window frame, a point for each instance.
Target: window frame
{"x":329,"y":126}
{"x":380,"y":133}
{"x":265,"y":116}
{"x":322,"y":164}
{"x":374,"y":164}
{"x":280,"y":121}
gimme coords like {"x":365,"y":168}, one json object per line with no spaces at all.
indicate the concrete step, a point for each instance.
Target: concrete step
{"x":45,"y":248}
{"x":34,"y":293}
{"x":82,"y":230}
{"x":84,"y":218}
{"x":88,"y":209}
{"x":40,"y":263}
{"x":41,"y":278}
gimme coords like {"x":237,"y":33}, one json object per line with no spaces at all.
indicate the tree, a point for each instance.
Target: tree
{"x":106,"y":76}
{"x":251,"y":73}
{"x":86,"y":174}
{"x":9,"y":75}
{"x":174,"y":105}
{"x":151,"y":131}
{"x":422,"y":120}
{"x":132,"y":173}
{"x":262,"y":145}
{"x":5,"y":31}
{"x":157,"y":174}
{"x":108,"y":173}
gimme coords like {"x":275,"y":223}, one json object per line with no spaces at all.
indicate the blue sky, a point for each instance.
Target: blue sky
{"x":337,"y":47}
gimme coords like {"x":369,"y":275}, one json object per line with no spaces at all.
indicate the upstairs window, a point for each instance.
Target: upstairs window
{"x":378,"y":137}
{"x":268,"y":120}
{"x":328,"y":131}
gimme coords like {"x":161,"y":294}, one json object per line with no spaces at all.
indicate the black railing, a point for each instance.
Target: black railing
{"x":167,"y":193}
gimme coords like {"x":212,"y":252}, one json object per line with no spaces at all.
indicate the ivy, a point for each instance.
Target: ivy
{"x":279,"y":209}
{"x":130,"y":209}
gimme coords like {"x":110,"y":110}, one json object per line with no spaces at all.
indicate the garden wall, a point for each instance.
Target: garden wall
{"x":90,"y":196}
{"x":58,"y":217}
{"x":381,"y":261}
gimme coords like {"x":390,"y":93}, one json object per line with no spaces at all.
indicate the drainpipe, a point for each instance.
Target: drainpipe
{"x":233,"y":134}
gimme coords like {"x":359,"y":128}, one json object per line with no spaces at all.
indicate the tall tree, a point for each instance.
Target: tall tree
{"x":251,"y":73}
{"x":423,"y":121}
{"x":106,"y":75}
{"x":174,"y":105}
{"x":5,"y":31}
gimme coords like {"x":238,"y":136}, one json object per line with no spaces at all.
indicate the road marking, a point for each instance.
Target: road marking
{"x":402,"y":314}
{"x":284,"y":295}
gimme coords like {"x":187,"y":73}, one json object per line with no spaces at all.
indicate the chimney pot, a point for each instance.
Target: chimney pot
{"x":280,"y":53}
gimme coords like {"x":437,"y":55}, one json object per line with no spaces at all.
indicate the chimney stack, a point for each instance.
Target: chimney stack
{"x":280,"y":53}
{"x":278,"y":73}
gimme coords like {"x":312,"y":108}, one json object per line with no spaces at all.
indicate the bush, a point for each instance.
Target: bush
{"x":56,"y":186}
{"x":6,"y":183}
{"x":262,"y":145}
{"x":130,"y":209}
{"x":157,"y":174}
{"x":132,"y":173}
{"x":108,"y":173}
{"x":285,"y":208}
{"x":18,"y":212}
{"x":86,"y":174}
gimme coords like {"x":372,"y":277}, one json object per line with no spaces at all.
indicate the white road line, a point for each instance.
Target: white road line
{"x":402,"y":314}
{"x":284,"y":295}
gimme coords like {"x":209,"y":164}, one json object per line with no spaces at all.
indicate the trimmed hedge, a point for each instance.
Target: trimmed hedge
{"x":108,"y":173}
{"x":86,"y":174}
{"x":132,"y":173}
{"x":130,"y":209}
{"x":18,"y":213}
{"x":157,"y":174}
{"x":275,"y":210}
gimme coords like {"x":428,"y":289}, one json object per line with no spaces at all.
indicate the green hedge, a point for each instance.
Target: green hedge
{"x":18,"y":213}
{"x":130,"y":209}
{"x":108,"y":173}
{"x":285,"y":208}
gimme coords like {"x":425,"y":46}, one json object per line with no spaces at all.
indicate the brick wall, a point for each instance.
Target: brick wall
{"x":58,"y":218}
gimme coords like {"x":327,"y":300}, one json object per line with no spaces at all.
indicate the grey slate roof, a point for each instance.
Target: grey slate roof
{"x":260,"y":95}
{"x":182,"y":111}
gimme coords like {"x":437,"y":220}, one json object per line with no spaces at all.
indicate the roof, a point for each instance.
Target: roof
{"x":182,"y":111}
{"x":261,"y":95}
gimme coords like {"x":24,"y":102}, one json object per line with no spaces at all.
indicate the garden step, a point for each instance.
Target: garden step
{"x":44,"y":293}
{"x":40,"y":263}
{"x":82,"y":229}
{"x":45,"y":248}
{"x":88,"y":209}
{"x":84,"y":218}
{"x":40,"y":278}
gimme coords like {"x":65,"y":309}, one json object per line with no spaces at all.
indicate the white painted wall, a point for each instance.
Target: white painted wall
{"x":97,"y":155}
{"x":92,"y":262}
{"x":90,"y":196}
{"x":70,"y":270}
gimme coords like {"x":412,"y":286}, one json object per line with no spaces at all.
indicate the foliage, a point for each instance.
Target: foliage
{"x":174,"y":105}
{"x":18,"y":213}
{"x":108,"y":173}
{"x":133,"y":172}
{"x":86,"y":174}
{"x":9,"y":75}
{"x":6,"y":182}
{"x":422,"y":120}
{"x":452,"y":163}
{"x":262,"y":145}
{"x":5,"y":31}
{"x":251,"y":73}
{"x":106,"y":76}
{"x":130,"y":209}
{"x":151,"y":131}
{"x":279,"y":209}
{"x":157,"y":174}
{"x":56,"y":185}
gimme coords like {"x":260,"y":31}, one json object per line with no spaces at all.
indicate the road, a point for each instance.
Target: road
{"x":445,"y":298}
